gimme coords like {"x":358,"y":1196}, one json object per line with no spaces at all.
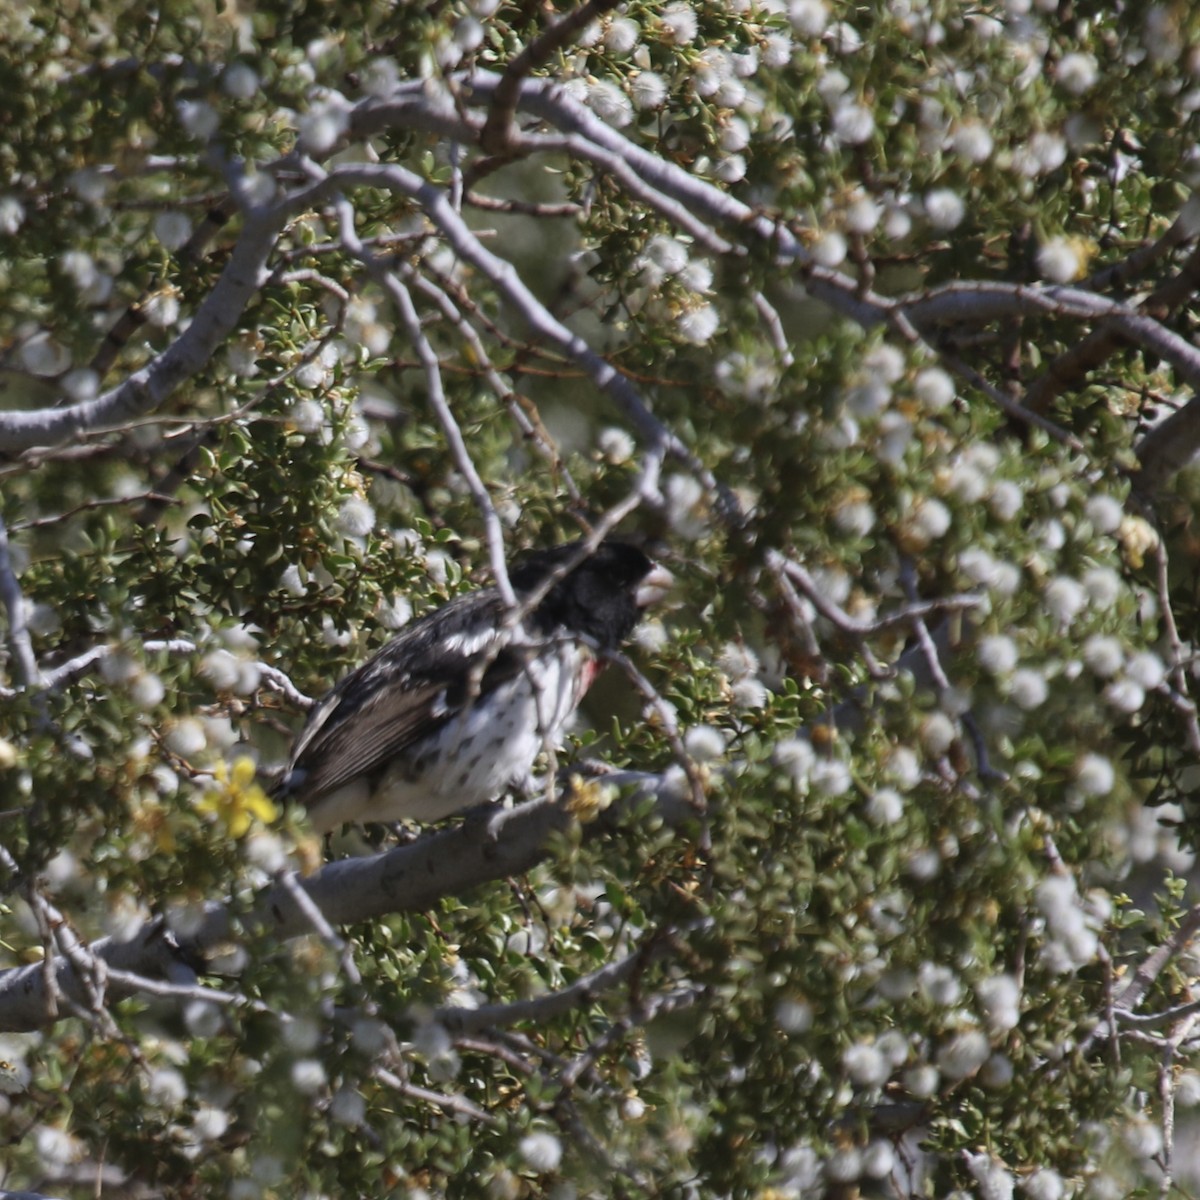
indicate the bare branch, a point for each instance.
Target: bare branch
{"x":1149,"y":969}
{"x":497,"y":134}
{"x":443,"y":1100}
{"x":148,"y":387}
{"x":19,"y":641}
{"x":582,"y":992}
{"x":533,"y":431}
{"x":401,"y":299}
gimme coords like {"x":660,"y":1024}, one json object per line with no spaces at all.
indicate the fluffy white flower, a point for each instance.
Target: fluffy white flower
{"x":1006,"y":499}
{"x":355,"y":518}
{"x":147,"y":690}
{"x":1059,"y":260}
{"x":621,"y":36}
{"x":1044,"y":1183}
{"x":997,"y":1073}
{"x":829,"y":249}
{"x":662,"y":257}
{"x":40,"y":354}
{"x":1125,"y":695}
{"x":542,"y":1151}
{"x":831,"y":776}
{"x":897,"y":222}
{"x":856,"y":518}
{"x":734,"y":135}
{"x":1103,"y":587}
{"x":884,"y":807}
{"x":934,"y":388}
{"x":853,"y":124}
{"x":992,"y":1177}
{"x":1146,"y":669}
{"x":862,"y":215}
{"x":239,"y":81}
{"x":843,"y":38}
{"x":937,"y":733}
{"x":679,"y":23}
{"x":731,"y":169}
{"x":963,"y":1054}
{"x":202,"y":1018}
{"x":879,"y":1159}
{"x":884,"y":362}
{"x":904,"y":767}
{"x":777,"y":50}
{"x":291,"y":582}
{"x":609,"y":103}
{"x":922,"y":1081}
{"x":81,"y":384}
{"x":704,"y":742}
{"x":166,"y":1087}
{"x":796,"y":757}
{"x":808,"y":17}
{"x":1105,"y":512}
{"x":944,"y":208}
{"x":615,"y":444}
{"x":1050,"y":150}
{"x":649,"y":91}
{"x":1065,"y":599}
{"x":56,"y":1148}
{"x":865,"y":1066}
{"x":714,"y":68}
{"x":973,"y":141}
{"x":347,"y":1107}
{"x":698,"y":324}
{"x":923,"y":865}
{"x":199,"y":119}
{"x":1094,"y":775}
{"x":1104,"y":655}
{"x":308,"y":1076}
{"x":749,"y":693}
{"x":844,"y":1165}
{"x":468,"y":33}
{"x":319,"y":129}
{"x":12,"y":214}
{"x":172,"y":229}
{"x":186,"y":737}
{"x":737,"y":660}
{"x":1143,"y":1137}
{"x":999,"y":997}
{"x":793,"y":1015}
{"x":1027,"y":688}
{"x":1076,"y":73}
{"x":930,"y":519}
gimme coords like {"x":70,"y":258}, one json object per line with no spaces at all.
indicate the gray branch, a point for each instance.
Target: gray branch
{"x":412,"y":878}
{"x":145,"y":389}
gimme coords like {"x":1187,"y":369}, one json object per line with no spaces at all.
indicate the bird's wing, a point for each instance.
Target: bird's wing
{"x":414,"y":685}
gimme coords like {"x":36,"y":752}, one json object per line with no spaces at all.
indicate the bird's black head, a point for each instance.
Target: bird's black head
{"x":602,"y":597}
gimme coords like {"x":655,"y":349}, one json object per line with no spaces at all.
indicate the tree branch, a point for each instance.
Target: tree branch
{"x":411,"y":878}
{"x":148,"y":387}
{"x":497,"y":134}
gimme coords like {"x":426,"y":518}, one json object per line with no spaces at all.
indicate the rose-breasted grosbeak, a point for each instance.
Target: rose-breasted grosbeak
{"x":455,"y":710}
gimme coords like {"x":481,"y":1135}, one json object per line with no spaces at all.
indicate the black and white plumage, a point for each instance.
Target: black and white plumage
{"x":454,"y":711}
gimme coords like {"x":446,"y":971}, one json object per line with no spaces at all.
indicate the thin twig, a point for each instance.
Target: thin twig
{"x":402,"y":301}
{"x":442,"y":1100}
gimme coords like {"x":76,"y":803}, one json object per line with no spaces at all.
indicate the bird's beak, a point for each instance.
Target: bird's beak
{"x":655,"y":587}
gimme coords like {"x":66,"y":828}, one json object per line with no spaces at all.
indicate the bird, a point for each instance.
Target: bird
{"x":454,"y":711}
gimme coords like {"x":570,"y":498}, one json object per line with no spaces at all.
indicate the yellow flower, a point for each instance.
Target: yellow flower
{"x":237,"y":801}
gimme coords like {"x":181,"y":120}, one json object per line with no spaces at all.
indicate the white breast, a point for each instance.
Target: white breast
{"x":488,"y":749}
